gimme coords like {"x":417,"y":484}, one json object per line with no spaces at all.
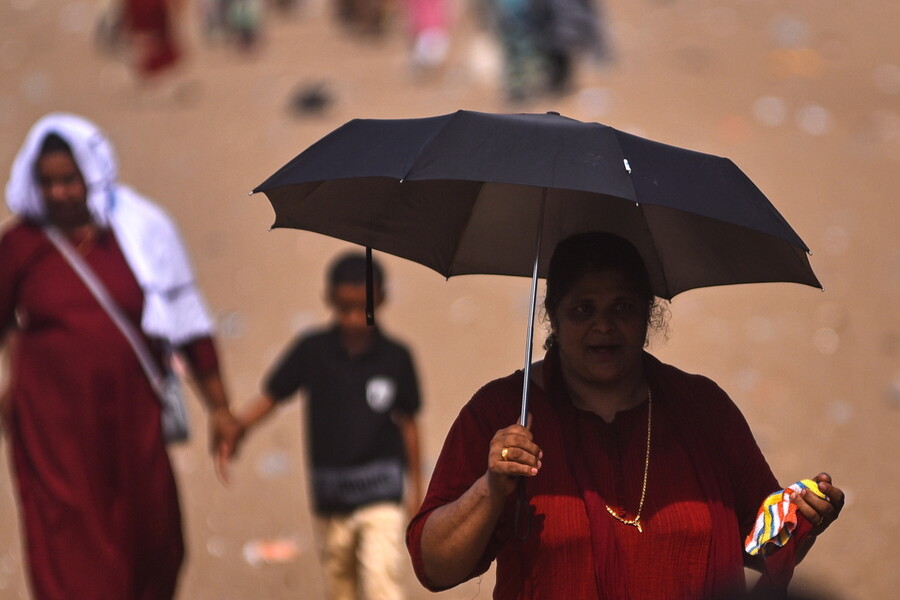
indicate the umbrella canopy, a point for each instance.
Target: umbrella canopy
{"x":470,"y":192}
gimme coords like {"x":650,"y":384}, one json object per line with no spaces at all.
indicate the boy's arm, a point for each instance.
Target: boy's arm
{"x":256,"y":411}
{"x":409,"y":429}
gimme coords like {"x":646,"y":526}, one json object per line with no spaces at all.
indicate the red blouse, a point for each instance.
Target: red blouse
{"x":689,"y":548}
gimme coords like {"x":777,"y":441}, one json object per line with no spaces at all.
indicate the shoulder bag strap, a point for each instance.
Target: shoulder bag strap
{"x":109,"y":305}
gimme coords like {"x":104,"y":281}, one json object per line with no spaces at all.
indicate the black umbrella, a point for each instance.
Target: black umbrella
{"x":472,"y":192}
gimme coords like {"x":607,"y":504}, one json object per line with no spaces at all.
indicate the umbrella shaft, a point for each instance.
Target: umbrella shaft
{"x":529,"y":339}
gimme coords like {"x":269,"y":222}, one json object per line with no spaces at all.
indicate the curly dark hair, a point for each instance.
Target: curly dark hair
{"x":594,"y":251}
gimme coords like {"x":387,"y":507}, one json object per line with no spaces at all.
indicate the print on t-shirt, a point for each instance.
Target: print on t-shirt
{"x":380,"y":393}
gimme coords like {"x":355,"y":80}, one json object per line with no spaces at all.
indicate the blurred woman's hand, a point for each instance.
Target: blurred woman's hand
{"x":225,"y":433}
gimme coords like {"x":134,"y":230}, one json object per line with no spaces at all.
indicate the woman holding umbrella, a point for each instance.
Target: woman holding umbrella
{"x":636,"y":479}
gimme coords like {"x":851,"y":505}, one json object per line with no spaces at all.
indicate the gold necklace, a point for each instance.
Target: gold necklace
{"x":636,"y":521}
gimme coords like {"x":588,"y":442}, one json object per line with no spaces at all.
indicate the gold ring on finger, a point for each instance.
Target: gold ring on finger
{"x":504,"y":454}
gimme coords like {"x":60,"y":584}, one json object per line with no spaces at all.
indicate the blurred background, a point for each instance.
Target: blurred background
{"x":804,"y":96}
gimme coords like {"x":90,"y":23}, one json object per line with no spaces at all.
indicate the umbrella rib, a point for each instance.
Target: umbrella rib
{"x":656,"y":254}
{"x":425,"y":143}
{"x":459,"y":238}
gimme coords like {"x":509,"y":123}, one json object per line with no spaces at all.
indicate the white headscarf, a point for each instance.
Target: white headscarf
{"x":173,"y":306}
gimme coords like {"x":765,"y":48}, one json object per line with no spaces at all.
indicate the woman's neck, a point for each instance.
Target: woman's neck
{"x":82,"y":236}
{"x":606,"y":400}
{"x":83,"y":230}
{"x":77,"y":227}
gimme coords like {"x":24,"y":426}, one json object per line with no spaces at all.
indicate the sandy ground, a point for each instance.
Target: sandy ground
{"x":804,"y":96}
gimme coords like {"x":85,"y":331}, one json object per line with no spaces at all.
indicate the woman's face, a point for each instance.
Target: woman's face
{"x":63,"y":190}
{"x":601,"y":326}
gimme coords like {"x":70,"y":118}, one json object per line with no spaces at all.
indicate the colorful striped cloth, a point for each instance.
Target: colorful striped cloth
{"x":777,"y":519}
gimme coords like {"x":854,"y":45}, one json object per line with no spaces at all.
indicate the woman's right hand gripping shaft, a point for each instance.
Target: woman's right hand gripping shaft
{"x":456,"y":535}
{"x":512,"y":454}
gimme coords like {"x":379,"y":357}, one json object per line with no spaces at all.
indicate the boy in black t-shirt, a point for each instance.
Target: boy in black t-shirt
{"x":362,"y":435}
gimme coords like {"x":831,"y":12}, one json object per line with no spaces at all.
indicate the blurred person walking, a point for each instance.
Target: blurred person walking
{"x":363,"y":17}
{"x":568,"y":29}
{"x":427,"y":21}
{"x":97,"y":495}
{"x":362,"y":435}
{"x":150,"y":31}
{"x":236,"y":22}
{"x":541,"y":40}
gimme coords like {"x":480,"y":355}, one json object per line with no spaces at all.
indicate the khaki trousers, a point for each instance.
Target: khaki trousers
{"x":362,"y":552}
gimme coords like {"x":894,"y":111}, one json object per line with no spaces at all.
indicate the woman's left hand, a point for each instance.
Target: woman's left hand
{"x":225,"y":433}
{"x":821,"y":512}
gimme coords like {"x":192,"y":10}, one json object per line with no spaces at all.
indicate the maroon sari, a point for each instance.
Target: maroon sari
{"x":148,"y":24}
{"x":97,"y":497}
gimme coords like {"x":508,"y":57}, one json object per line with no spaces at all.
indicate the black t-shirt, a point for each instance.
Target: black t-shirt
{"x":351,"y":399}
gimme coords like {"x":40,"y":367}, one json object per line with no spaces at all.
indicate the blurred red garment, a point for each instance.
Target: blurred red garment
{"x":98,"y":498}
{"x":428,"y":23}
{"x":427,"y":15}
{"x":148,"y":24}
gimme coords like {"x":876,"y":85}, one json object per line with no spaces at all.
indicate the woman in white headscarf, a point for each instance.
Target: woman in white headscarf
{"x":97,"y":495}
